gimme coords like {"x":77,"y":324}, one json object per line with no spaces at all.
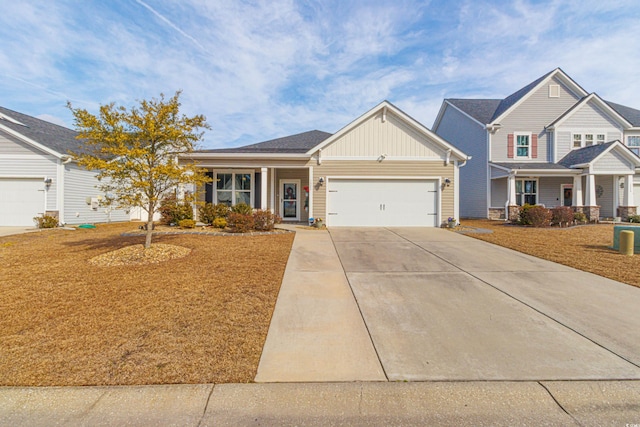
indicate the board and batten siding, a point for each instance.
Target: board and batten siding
{"x":532,"y":115}
{"x":587,"y":119}
{"x":78,"y":185}
{"x":373,"y":138}
{"x":386,"y":168}
{"x":471,"y":138}
{"x":33,"y":166}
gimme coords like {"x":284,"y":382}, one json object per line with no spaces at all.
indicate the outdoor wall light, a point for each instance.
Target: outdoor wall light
{"x":48,"y":181}
{"x":321,"y":180}
{"x":447,"y":182}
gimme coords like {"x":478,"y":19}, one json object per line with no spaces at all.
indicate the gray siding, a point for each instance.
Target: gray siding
{"x":34,"y":166}
{"x":80,"y":184}
{"x":498,"y":192}
{"x":613,"y":162}
{"x":606,"y":200}
{"x":588,"y":119}
{"x":549,"y":190}
{"x":470,"y":137}
{"x":11,"y":145}
{"x":536,"y":112}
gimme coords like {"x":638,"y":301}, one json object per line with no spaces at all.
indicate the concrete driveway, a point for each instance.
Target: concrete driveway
{"x":8,"y":231}
{"x":428,"y":304}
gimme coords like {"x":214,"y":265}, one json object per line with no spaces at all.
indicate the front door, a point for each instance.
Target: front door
{"x":290,"y":200}
{"x":567,"y":195}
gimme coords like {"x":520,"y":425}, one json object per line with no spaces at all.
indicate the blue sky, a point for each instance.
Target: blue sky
{"x":264,"y":69}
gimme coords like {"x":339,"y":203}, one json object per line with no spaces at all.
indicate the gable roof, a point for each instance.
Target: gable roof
{"x":602,"y":104}
{"x":480,"y":109}
{"x":385,"y":106}
{"x":46,"y":136}
{"x":585,"y":155}
{"x":299,"y":143}
{"x":630,"y":114}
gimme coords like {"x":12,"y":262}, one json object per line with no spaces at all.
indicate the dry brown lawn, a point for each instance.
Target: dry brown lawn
{"x":586,"y":247}
{"x":202,"y":318}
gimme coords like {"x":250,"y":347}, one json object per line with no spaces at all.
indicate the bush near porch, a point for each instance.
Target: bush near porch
{"x":584,"y":247}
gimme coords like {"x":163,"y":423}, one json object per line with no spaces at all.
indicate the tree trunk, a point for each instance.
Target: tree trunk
{"x":150,"y":211}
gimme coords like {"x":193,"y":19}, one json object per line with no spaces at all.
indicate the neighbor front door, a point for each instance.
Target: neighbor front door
{"x":290,"y":200}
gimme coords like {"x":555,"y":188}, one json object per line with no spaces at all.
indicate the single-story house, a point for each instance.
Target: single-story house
{"x":382,"y":169}
{"x":37,"y":175}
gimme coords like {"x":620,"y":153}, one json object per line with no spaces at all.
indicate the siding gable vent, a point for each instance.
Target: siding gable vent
{"x":554,"y":91}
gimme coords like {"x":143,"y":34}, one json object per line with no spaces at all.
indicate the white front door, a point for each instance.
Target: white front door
{"x":382,"y":202}
{"x":290,"y":199}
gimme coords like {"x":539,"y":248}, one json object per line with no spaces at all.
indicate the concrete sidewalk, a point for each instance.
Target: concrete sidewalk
{"x":354,"y":404}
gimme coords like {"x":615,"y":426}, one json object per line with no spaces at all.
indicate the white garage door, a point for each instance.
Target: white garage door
{"x":20,"y":200}
{"x":382,"y":202}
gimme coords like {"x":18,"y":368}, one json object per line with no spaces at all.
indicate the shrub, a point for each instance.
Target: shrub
{"x":209,"y":212}
{"x":523,"y":218}
{"x":265,"y":220}
{"x":219,"y":223}
{"x":538,"y":216}
{"x":187,"y":223}
{"x":172,"y":210}
{"x":562,"y":215}
{"x":242,"y":208}
{"x":580,"y":217}
{"x":634,"y":218}
{"x":46,"y":221}
{"x":240,"y":223}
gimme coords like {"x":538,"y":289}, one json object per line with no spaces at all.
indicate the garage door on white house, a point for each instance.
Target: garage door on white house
{"x":382,"y":202}
{"x":21,"y":199}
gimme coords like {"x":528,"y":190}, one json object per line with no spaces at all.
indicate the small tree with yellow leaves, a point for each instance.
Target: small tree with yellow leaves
{"x":136,"y":151}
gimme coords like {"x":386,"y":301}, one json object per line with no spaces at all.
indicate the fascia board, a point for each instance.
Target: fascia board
{"x":403,"y":116}
{"x":557,"y":72}
{"x":622,"y":149}
{"x":30,"y":141}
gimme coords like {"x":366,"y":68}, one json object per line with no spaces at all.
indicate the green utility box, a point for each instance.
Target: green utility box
{"x":636,"y":236}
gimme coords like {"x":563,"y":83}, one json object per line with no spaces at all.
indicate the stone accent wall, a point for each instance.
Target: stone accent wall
{"x":625,"y":211}
{"x":591,"y":212}
{"x":496,"y":214}
{"x":514,"y":213}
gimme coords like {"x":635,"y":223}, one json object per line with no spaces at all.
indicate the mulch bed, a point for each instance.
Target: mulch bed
{"x":586,"y":247}
{"x":201,"y":318}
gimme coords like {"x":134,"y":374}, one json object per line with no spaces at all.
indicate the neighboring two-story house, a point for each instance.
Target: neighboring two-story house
{"x":549,"y":143}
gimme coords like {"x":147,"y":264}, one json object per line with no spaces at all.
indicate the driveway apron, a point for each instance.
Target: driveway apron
{"x":442,"y":306}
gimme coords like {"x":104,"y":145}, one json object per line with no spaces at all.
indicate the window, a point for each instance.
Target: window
{"x":587,"y":139}
{"x":522,"y":145}
{"x":634,"y":143}
{"x":233,"y":188}
{"x":526,"y":192}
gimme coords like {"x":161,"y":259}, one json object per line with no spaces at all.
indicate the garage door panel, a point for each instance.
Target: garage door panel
{"x":20,"y":201}
{"x":382,"y":202}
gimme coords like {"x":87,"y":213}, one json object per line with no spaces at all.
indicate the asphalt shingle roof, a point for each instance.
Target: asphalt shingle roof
{"x":530,"y":165}
{"x":480,"y":109}
{"x":516,"y":96}
{"x":631,"y":114}
{"x":584,"y":155}
{"x":299,"y":143}
{"x":57,"y":138}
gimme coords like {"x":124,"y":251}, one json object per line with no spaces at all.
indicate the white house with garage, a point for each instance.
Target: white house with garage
{"x":382,"y":169}
{"x":37,"y":175}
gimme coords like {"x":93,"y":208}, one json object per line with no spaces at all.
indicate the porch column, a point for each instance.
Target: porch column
{"x":590,"y":197}
{"x":274,"y":208}
{"x":511,"y":197}
{"x":310,"y":212}
{"x":577,"y":191}
{"x":627,"y":198}
{"x":263,"y":188}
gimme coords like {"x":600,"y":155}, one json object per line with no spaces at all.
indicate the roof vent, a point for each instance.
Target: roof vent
{"x":554,"y":91}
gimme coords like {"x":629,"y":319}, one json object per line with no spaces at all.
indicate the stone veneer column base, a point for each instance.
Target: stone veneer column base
{"x":514,"y":213}
{"x":496,"y":213}
{"x":591,"y":212}
{"x":625,"y":211}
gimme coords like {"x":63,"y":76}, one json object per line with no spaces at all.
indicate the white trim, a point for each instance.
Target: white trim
{"x":600,"y":104}
{"x":263,"y":188}
{"x":282,"y":183}
{"x":30,"y":141}
{"x":419,"y":127}
{"x":233,"y":173}
{"x":456,"y":191}
{"x":273,"y":189}
{"x":11,"y":119}
{"x":28,"y":157}
{"x":488,"y":174}
{"x":554,"y":91}
{"x":257,"y":166}
{"x":310,"y":212}
{"x":583,"y":136}
{"x":515,"y":145}
{"x":232,"y":155}
{"x":562,"y":188}
{"x":386,"y":159}
{"x":523,"y":179}
{"x":60,"y":190}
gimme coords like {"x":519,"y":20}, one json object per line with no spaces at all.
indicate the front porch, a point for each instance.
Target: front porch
{"x":282,"y":190}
